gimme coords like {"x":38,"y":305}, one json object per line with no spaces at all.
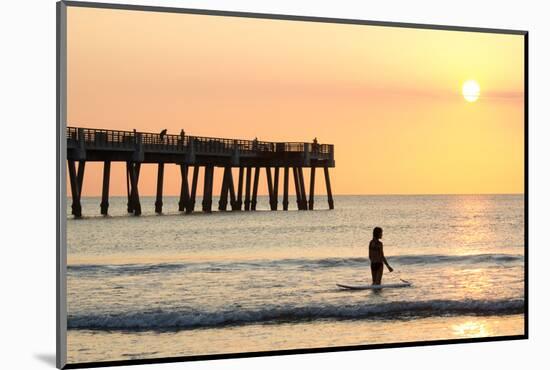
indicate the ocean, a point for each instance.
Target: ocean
{"x":227,"y":282}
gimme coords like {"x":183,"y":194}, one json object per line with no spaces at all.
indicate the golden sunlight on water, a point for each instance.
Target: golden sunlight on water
{"x":468,"y":224}
{"x":471,"y":329}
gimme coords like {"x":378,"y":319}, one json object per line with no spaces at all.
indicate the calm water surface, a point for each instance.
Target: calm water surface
{"x":177,"y":285}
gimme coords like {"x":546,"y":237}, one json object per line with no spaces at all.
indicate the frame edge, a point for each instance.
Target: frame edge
{"x":287,"y":17}
{"x":61,"y":209}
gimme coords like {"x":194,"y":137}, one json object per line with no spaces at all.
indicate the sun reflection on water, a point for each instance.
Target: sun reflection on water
{"x":469,"y":222}
{"x":471,"y":329}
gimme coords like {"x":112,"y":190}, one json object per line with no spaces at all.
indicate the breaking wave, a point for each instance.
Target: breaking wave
{"x":173,"y":320}
{"x":496,"y":259}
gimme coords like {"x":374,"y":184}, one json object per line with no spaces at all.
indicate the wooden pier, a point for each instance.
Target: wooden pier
{"x":191,"y":153}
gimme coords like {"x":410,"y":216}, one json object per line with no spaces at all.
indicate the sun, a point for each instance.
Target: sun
{"x":470,"y":90}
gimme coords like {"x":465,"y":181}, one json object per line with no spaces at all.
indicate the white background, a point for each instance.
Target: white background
{"x":27,"y":181}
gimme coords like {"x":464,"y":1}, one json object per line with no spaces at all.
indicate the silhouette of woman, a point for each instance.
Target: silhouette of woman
{"x":377,"y":258}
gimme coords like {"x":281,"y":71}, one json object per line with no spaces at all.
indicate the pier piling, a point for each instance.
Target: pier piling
{"x":231,"y":188}
{"x":297,"y":188}
{"x":269,"y":186}
{"x":208,"y":185}
{"x":160,"y":181}
{"x":134,"y":192}
{"x":303,"y":203}
{"x":105,"y":191}
{"x":311,"y":188}
{"x":285,"y":189}
{"x":183,"y":203}
{"x":329,"y":190}
{"x":239,"y":205}
{"x":255,"y":189}
{"x":274,"y":203}
{"x":76,"y":185}
{"x":222,"y":203}
{"x":193,"y":195}
{"x":128,"y":189}
{"x":74,"y":188}
{"x":247,"y":189}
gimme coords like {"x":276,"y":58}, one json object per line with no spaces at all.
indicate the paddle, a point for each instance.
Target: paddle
{"x":402,"y":280}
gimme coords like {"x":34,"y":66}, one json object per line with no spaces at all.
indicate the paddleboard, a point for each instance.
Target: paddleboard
{"x":404,"y":284}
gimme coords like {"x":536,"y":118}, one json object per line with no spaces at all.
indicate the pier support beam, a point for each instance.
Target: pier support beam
{"x":285,"y":189}
{"x":74,"y":189}
{"x":329,"y":190}
{"x":105,"y":191}
{"x":275,"y":201}
{"x":312,"y":188}
{"x":76,"y":179}
{"x":231,"y":188}
{"x":255,"y":189}
{"x":184,"y":191}
{"x":297,"y":188}
{"x":128,"y":190}
{"x":303,"y":205}
{"x":227,"y":187}
{"x":222,"y":203}
{"x":208,"y":184}
{"x":160,"y":181}
{"x":247,"y":189}
{"x":191,"y":207}
{"x":131,"y":166}
{"x":135,"y":205}
{"x":239,"y":204}
{"x":80,"y":177}
{"x":269,"y":186}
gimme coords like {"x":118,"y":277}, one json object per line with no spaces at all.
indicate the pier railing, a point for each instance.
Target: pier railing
{"x":116,"y":139}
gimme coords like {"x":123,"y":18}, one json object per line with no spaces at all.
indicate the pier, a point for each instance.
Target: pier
{"x":196,"y":155}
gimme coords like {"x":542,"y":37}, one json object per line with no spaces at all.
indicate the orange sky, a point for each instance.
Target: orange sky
{"x":388,"y":98}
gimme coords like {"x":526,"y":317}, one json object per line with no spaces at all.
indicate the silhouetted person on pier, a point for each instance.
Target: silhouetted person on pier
{"x":182,"y":137}
{"x":377,"y":258}
{"x":315,"y":145}
{"x":163,"y":134}
{"x":255,"y":144}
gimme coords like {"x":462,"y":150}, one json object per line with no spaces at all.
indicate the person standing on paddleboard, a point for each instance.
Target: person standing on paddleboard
{"x":377,"y":258}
